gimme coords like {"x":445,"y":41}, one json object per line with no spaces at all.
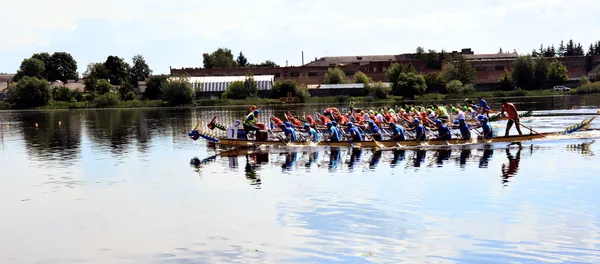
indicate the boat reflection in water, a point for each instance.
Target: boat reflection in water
{"x":343,"y":160}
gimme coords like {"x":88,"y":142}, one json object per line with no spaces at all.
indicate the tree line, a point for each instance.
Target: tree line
{"x":223,"y":58}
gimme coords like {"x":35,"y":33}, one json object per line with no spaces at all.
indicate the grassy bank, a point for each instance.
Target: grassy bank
{"x":340,"y":99}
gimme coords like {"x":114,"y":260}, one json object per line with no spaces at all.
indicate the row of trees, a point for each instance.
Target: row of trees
{"x":532,"y":74}
{"x":223,"y":58}
{"x":566,"y":50}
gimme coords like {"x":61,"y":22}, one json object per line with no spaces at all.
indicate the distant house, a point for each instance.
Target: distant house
{"x":70,"y":84}
{"x":5,"y":81}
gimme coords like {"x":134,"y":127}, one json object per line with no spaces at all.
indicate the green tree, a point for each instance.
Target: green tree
{"x":433,"y":60}
{"x":378,"y":90}
{"x":118,"y":70}
{"x":523,"y":72}
{"x":460,"y":69}
{"x":409,"y":85}
{"x":235,"y":90}
{"x":179,"y":91}
{"x":126,"y":91}
{"x":29,"y":92}
{"x":360,"y":77}
{"x":335,"y":76}
{"x":557,"y":73}
{"x":31,"y":67}
{"x":93,"y":73}
{"x":506,"y":83}
{"x":454,"y":87}
{"x":268,"y":64}
{"x":44,"y":57}
{"x":241,"y":60}
{"x":394,"y":71}
{"x":103,"y":87}
{"x":435,"y":81}
{"x":282,"y":88}
{"x":250,"y":87}
{"x":61,"y":93}
{"x":540,"y":73}
{"x":154,"y":86}
{"x":140,"y":71}
{"x":61,"y":66}
{"x":220,"y":58}
{"x":420,"y":53}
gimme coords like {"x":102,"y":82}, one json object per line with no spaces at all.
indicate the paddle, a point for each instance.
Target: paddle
{"x":529,"y":128}
{"x":369,"y":135}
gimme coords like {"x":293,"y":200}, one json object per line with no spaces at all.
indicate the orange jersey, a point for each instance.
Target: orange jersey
{"x":276,"y":121}
{"x":324,"y":120}
{"x":511,"y":111}
{"x":311,"y":121}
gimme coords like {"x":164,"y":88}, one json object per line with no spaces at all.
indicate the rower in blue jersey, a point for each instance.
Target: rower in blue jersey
{"x":443,"y":130}
{"x":354,"y":133}
{"x":484,"y":108}
{"x":464,"y":128}
{"x":290,"y":134}
{"x":398,"y":133}
{"x":488,"y":132}
{"x":334,"y":136}
{"x":374,"y":131}
{"x":312,"y":133}
{"x":339,"y":129}
{"x":419,"y":130}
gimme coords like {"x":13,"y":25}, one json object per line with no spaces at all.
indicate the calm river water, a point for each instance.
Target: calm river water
{"x":116,"y":186}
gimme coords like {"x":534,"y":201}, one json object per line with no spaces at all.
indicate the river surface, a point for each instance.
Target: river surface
{"x":116,"y":186}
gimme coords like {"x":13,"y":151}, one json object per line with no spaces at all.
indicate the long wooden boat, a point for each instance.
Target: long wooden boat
{"x":384,"y":143}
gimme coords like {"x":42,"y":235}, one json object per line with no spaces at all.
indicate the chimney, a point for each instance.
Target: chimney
{"x":302,"y":57}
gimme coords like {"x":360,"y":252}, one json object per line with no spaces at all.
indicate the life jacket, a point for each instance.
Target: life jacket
{"x":250,"y":121}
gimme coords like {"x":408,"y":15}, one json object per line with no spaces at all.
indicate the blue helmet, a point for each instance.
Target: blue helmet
{"x":416,"y":120}
{"x":329,"y":124}
{"x":439,"y":122}
{"x":350,"y":124}
{"x":333,"y":123}
{"x":392,"y":124}
{"x":371,"y":123}
{"x":456,"y":121}
{"x":484,"y":119}
{"x":306,"y":125}
{"x":288,"y":124}
{"x":480,"y":117}
{"x":282,"y":126}
{"x":256,"y":112}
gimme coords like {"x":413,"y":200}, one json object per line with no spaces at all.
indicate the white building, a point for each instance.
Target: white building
{"x":220,"y":83}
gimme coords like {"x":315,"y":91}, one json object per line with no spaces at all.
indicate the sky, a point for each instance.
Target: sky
{"x":176,"y":33}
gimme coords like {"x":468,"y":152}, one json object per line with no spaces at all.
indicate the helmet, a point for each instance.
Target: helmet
{"x":282,"y":126}
{"x":333,"y":123}
{"x":439,"y":122}
{"x":256,"y":112}
{"x":480,"y":117}
{"x":371,"y":123}
{"x":392,"y":124}
{"x":456,"y":122}
{"x":328,"y":124}
{"x":416,"y":120}
{"x":306,"y":125}
{"x":485,"y":119}
{"x":288,"y":124}
{"x":349,"y":124}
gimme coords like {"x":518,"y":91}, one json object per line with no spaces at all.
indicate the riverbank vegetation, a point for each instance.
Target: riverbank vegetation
{"x":114,"y":82}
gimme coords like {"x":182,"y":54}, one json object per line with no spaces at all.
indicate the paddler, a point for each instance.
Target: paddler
{"x":276,"y":121}
{"x":374,"y":131}
{"x":459,"y":114}
{"x":289,"y":132}
{"x":488,"y":132}
{"x":354,"y":133}
{"x":419,"y":130}
{"x":310,"y":120}
{"x":334,"y":136}
{"x":443,"y":130}
{"x":252,"y":108}
{"x":464,"y":128}
{"x":312,"y":134}
{"x":250,"y":124}
{"x":351,"y":105}
{"x":484,"y":108}
{"x":441,"y":112}
{"x":513,"y":116}
{"x":398,"y":133}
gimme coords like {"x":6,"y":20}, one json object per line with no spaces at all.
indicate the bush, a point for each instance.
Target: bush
{"x":61,"y":93}
{"x":235,"y":90}
{"x":360,"y":77}
{"x":583,"y":81}
{"x":409,"y":85}
{"x":302,"y":93}
{"x":155,"y":87}
{"x":125,"y":91}
{"x":29,"y":92}
{"x":468,"y":89}
{"x":282,"y":88}
{"x":106,"y":100}
{"x":103,"y":87}
{"x":378,"y":90}
{"x":589,"y":88}
{"x":335,"y":76}
{"x":454,"y":87}
{"x":179,"y":91}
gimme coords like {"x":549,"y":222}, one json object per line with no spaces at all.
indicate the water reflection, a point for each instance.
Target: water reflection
{"x":510,"y":170}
